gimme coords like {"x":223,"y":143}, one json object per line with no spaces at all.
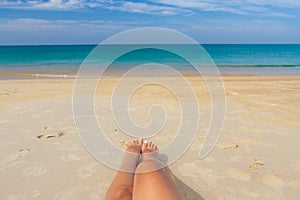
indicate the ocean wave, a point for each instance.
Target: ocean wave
{"x":66,"y":76}
{"x":54,"y":75}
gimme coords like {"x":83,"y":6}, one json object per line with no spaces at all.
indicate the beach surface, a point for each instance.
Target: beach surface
{"x":256,"y":157}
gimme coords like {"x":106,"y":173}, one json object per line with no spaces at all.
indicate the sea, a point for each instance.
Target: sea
{"x":65,"y":60}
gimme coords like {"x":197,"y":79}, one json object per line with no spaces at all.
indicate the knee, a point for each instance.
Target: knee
{"x":124,"y":193}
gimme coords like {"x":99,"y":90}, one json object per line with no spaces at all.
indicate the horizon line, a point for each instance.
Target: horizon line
{"x":94,"y":44}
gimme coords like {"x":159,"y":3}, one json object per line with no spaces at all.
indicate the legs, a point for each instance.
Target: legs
{"x":151,"y":181}
{"x":121,"y":187}
{"x":145,"y":181}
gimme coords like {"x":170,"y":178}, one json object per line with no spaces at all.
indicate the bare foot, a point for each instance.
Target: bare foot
{"x":149,"y":151}
{"x":131,"y":156}
{"x":148,"y":147}
{"x":134,"y":146}
{"x":150,"y":158}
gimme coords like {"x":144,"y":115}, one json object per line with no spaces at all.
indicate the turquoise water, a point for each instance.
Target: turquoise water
{"x":69,"y":57}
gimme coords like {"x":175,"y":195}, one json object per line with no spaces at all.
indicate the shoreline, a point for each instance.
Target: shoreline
{"x":224,"y":72}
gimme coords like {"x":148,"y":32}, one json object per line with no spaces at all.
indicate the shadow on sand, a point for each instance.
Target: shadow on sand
{"x":188,"y":192}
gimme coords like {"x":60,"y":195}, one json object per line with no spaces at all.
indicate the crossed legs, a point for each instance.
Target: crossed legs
{"x":143,"y":181}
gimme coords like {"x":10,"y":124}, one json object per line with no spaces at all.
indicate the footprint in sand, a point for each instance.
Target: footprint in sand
{"x":66,"y":194}
{"x":209,"y":159}
{"x":87,"y":170}
{"x":7,"y":93}
{"x":35,"y":169}
{"x":47,"y":136}
{"x":122,"y":143}
{"x":273,"y":180}
{"x":237,"y":158}
{"x":13,"y":160}
{"x":38,"y":115}
{"x":4,"y":94}
{"x":239,"y":174}
{"x":256,"y":164}
{"x":70,"y":157}
{"x":25,"y":150}
{"x":34,"y":194}
{"x":231,"y":145}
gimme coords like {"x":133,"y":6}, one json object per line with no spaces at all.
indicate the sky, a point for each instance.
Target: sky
{"x":92,"y":21}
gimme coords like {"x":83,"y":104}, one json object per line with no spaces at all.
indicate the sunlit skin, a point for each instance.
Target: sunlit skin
{"x":144,"y":180}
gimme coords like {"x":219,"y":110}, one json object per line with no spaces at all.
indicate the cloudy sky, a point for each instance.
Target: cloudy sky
{"x":91,"y":21}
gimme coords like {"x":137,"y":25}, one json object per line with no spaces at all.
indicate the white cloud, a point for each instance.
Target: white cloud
{"x":126,"y":6}
{"x":42,"y":31}
{"x":44,"y":5}
{"x":27,"y":24}
{"x":271,"y":8}
{"x":83,"y":26}
{"x":276,"y":3}
{"x":211,"y":4}
{"x":146,"y":8}
{"x":5,"y":3}
{"x":247,"y":7}
{"x":59,"y":4}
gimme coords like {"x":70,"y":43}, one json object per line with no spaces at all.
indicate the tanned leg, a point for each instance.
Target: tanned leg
{"x":122,"y":186}
{"x":151,"y":180}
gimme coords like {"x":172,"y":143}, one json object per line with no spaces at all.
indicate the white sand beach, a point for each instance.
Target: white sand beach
{"x":257,"y":156}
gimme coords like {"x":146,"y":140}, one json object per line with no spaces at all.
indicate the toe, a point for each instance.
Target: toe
{"x":153,"y":146}
{"x":144,"y":146}
{"x":149,"y":144}
{"x":140,"y":141}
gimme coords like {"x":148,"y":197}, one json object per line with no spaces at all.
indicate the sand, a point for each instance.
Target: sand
{"x":257,"y":156}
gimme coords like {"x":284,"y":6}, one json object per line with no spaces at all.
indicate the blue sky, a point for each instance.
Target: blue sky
{"x":91,"y":21}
